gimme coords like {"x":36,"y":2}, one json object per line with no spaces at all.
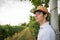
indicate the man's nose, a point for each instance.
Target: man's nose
{"x":36,"y":15}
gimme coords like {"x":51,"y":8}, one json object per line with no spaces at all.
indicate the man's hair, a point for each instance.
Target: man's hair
{"x":45,"y":14}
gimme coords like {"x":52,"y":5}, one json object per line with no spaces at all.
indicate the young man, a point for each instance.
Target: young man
{"x":45,"y":32}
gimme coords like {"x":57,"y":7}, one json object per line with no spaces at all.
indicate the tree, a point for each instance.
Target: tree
{"x":37,"y":3}
{"x":33,"y":26}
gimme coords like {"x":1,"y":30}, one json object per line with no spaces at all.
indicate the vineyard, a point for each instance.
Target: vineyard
{"x":8,"y":31}
{"x":21,"y":32}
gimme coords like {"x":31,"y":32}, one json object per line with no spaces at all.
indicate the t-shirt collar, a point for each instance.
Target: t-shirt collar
{"x":44,"y":25}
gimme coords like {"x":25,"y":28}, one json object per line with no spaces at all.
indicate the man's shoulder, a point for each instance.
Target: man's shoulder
{"x":49,"y":29}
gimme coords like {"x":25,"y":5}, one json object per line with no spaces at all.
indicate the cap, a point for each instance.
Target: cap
{"x":42,"y":8}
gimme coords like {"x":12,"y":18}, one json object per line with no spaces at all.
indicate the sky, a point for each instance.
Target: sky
{"x":15,"y":12}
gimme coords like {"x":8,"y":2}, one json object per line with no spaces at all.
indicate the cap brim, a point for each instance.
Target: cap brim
{"x":40,"y":11}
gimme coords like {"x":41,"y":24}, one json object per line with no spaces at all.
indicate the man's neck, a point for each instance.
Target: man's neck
{"x":42,"y":22}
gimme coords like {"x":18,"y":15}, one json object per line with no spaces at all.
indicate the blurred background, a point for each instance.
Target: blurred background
{"x":17,"y":21}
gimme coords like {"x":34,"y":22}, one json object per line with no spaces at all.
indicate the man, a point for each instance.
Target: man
{"x":45,"y":32}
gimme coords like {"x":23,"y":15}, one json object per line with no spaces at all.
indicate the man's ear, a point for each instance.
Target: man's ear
{"x":45,"y":15}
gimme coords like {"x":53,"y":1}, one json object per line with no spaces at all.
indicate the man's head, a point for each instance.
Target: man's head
{"x":41,"y":13}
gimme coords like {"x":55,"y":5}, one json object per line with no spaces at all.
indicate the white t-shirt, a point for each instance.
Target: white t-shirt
{"x":46,"y":32}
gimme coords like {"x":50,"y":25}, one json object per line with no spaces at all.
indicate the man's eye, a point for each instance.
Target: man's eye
{"x":38,"y":13}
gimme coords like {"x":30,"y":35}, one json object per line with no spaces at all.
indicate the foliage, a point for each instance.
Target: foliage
{"x":34,"y":26}
{"x":8,"y":30}
{"x":39,"y":2}
{"x":36,"y":3}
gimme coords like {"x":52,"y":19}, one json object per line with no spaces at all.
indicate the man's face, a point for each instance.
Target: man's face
{"x":39,"y":16}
